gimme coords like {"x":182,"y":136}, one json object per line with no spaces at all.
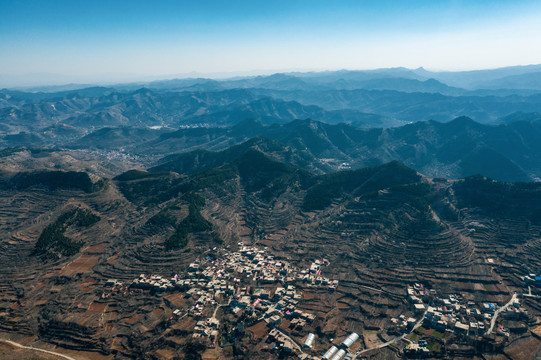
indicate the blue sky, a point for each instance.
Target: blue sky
{"x":116,"y":39}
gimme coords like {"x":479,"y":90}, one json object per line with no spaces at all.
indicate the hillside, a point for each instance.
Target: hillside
{"x":460,"y":148}
{"x":230,"y":219}
{"x":379,"y":229}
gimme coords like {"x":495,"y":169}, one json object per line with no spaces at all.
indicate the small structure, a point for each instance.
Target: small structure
{"x":461,"y":329}
{"x":275,"y":320}
{"x":489,"y":308}
{"x":416,"y":349}
{"x":309,"y":341}
{"x":411,"y":323}
{"x":330,"y":353}
{"x":339,"y":355}
{"x":350,"y":340}
{"x":113,"y":282}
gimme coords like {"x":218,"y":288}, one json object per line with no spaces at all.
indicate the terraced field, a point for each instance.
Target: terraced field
{"x":375,"y":243}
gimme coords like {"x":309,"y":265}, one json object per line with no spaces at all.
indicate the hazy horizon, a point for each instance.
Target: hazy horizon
{"x":36,"y":80}
{"x":103,"y":42}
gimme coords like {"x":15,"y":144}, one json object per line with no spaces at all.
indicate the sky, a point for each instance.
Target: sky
{"x":114,"y":40}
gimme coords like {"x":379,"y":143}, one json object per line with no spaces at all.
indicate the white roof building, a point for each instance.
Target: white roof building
{"x":309,"y":341}
{"x":350,"y":340}
{"x":330,"y":352}
{"x":339,"y":355}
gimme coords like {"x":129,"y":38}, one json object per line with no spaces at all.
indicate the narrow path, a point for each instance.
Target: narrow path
{"x":497,"y":312}
{"x":380,"y":346}
{"x":529,"y":294}
{"x":36,"y":349}
{"x":219,"y":306}
{"x":392,"y":341}
{"x":215,"y":311}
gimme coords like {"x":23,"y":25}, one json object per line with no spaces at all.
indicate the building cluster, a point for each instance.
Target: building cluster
{"x":223,"y":275}
{"x":265,"y":269}
{"x":155,"y":282}
{"x":114,"y":287}
{"x":452,"y":313}
{"x":249,"y":281}
{"x":208,"y":327}
{"x":283,"y":302}
{"x":112,"y":154}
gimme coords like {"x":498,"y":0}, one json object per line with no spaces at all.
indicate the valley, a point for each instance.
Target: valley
{"x":349,"y":245}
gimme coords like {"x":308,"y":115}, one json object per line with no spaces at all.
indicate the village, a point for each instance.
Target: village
{"x":453,"y":315}
{"x":251,"y":283}
{"x":258,"y":288}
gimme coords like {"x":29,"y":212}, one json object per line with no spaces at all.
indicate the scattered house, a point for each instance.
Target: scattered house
{"x":455,"y":314}
{"x":417,"y":349}
{"x":213,"y":323}
{"x":419,"y":308}
{"x":297,"y":323}
{"x":473,"y":330}
{"x":441,"y":325}
{"x":411,"y":323}
{"x":244,"y":301}
{"x":274,"y":334}
{"x":489,"y":308}
{"x":193,"y":267}
{"x":113,"y":282}
{"x":461,"y":329}
{"x":287,"y":346}
{"x":501,"y":331}
{"x":275,"y":320}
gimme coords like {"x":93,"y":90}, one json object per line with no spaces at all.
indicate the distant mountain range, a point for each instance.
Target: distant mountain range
{"x":512,"y":77}
{"x":462,"y":147}
{"x":93,"y":108}
{"x":443,"y":124}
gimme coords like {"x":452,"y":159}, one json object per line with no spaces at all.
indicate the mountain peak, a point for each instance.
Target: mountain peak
{"x":463,"y":120}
